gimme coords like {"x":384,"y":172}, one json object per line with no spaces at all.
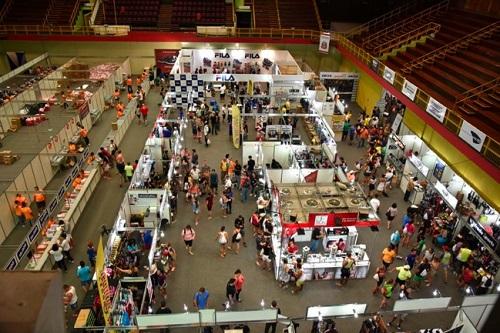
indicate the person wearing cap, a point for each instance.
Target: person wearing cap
{"x":404,"y":274}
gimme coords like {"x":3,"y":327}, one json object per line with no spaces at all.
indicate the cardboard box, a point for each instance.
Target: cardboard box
{"x":114,"y":126}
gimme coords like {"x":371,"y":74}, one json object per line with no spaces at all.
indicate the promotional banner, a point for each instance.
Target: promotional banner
{"x":338,"y":76}
{"x":389,"y":75}
{"x":470,"y":134}
{"x":436,"y":109}
{"x":324,"y":42}
{"x":165,"y":59}
{"x":409,"y":90}
{"x":236,"y":126}
{"x":102,"y":284}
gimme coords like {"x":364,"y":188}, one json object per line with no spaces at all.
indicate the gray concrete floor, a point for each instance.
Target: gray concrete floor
{"x":207,"y":269}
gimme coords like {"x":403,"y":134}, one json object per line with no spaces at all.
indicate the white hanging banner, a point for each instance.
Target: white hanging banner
{"x":436,"y":109}
{"x":470,"y":134}
{"x":409,"y":90}
{"x":389,"y":75}
{"x":324,"y":42}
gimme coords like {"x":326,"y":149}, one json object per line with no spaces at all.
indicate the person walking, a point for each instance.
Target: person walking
{"x":214,"y":181}
{"x":404,"y":274}
{"x":445,"y":262}
{"x":271,"y":327}
{"x":27,"y":213}
{"x":129,"y":172}
{"x":387,"y":290}
{"x":195,"y":205}
{"x":206,"y":131}
{"x":391,"y":213}
{"x":84,"y":273}
{"x":388,"y":255}
{"x":230,"y":292}
{"x":91,"y":253}
{"x":316,"y":236}
{"x":235,"y":240}
{"x":239,"y":223}
{"x":40,"y":199}
{"x":120,"y":166}
{"x":245,"y":187}
{"x":221,"y":239}
{"x":57,"y":253}
{"x":70,"y":298}
{"x":379,"y":277}
{"x":188,"y":236}
{"x":224,"y":166}
{"x":345,"y":274}
{"x":200,"y":300}
{"x":19,"y":213}
{"x":239,"y":282}
{"x":144,"y":113}
{"x":66,"y":245}
{"x":209,"y":202}
{"x":300,"y":279}
{"x":409,"y":188}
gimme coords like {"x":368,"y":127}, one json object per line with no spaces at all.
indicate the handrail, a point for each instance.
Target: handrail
{"x":278,"y":13}
{"x":76,"y":9}
{"x":410,"y":20}
{"x":451,"y":47}
{"x":471,"y":93}
{"x":253,"y":14}
{"x":49,"y":9}
{"x":233,"y":12}
{"x":383,"y":18}
{"x":5,"y":9}
{"x":95,"y":10}
{"x":318,"y":17}
{"x":427,"y":29}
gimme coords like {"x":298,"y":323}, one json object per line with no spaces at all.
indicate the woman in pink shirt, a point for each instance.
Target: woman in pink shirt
{"x":188,"y":235}
{"x":239,"y":280}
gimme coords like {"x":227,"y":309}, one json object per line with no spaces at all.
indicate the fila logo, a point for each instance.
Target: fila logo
{"x":252,"y":56}
{"x":224,"y":77}
{"x":222,"y":55}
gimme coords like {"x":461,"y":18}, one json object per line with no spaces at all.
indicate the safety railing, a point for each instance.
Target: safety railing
{"x":5,"y":9}
{"x":387,"y":17}
{"x":452,"y":120}
{"x":49,"y":10}
{"x":409,"y":22}
{"x":76,"y":10}
{"x":452,"y":47}
{"x":258,"y":33}
{"x":278,"y":12}
{"x":111,"y":30}
{"x":477,"y":91}
{"x":426,"y":30}
{"x":318,"y":17}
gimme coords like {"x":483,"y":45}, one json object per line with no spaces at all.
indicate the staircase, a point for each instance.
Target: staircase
{"x":229,"y":14}
{"x":298,"y":14}
{"x":165,"y":17}
{"x":266,"y":14}
{"x":484,"y":97}
{"x":61,"y":12}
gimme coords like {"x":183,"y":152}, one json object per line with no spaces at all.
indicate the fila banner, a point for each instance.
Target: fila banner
{"x":324,"y":42}
{"x":389,"y":75}
{"x":436,"y":109}
{"x":470,"y":134}
{"x":409,"y":90}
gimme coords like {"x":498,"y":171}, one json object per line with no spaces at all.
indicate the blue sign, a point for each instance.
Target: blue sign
{"x":11,"y":265}
{"x":53,"y":205}
{"x":21,"y":251}
{"x":33,"y":233}
{"x":43,"y":217}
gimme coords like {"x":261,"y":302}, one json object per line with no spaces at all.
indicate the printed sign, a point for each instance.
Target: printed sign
{"x":389,"y":75}
{"x":21,"y":251}
{"x":409,"y":90}
{"x":447,"y":196}
{"x":338,"y":76}
{"x":147,"y":195}
{"x":11,"y":265}
{"x":165,"y":59}
{"x":236,"y":126}
{"x":102,"y":284}
{"x":324,"y":42}
{"x":470,"y":134}
{"x":321,"y":220}
{"x":396,"y":123}
{"x":438,"y":170}
{"x":436,"y":109}
{"x":33,"y":233}
{"x":419,"y":165}
{"x":483,"y":235}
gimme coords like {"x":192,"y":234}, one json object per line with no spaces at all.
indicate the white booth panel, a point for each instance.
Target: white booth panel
{"x":304,"y":173}
{"x":36,"y":166}
{"x":290,"y":176}
{"x":274,"y":175}
{"x":29,"y":178}
{"x":325,"y":175}
{"x":313,"y":312}
{"x":282,"y":155}
{"x":462,"y":319}
{"x":20,"y":184}
{"x":6,"y":216}
{"x":421,"y":303}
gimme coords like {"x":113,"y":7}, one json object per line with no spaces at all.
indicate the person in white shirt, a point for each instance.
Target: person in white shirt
{"x":66,"y":245}
{"x":57,"y":253}
{"x":70,"y":297}
{"x":206,"y":130}
{"x":375,"y":202}
{"x":222,"y":92}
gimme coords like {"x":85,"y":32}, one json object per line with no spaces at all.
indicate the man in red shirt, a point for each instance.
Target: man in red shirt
{"x":144,"y":112}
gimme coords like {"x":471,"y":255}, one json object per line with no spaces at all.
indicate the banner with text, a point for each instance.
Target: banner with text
{"x":436,"y":109}
{"x":324,"y":42}
{"x":389,"y":75}
{"x":409,"y":90}
{"x":470,"y":134}
{"x":102,"y":284}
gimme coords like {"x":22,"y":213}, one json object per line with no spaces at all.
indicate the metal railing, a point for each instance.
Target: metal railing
{"x":278,"y":12}
{"x":399,"y":26}
{"x":121,"y":30}
{"x":477,"y":91}
{"x":318,"y":17}
{"x":452,"y":47}
{"x":389,"y":16}
{"x":76,"y":10}
{"x":5,"y":9}
{"x":426,"y":30}
{"x":258,"y":33}
{"x":49,"y":9}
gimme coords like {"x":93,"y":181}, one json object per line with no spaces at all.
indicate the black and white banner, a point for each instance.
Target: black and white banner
{"x":436,"y":109}
{"x":389,"y":75}
{"x":324,"y":42}
{"x":470,"y":134}
{"x":409,"y":90}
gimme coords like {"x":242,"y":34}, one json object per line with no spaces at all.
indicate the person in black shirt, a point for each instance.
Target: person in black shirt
{"x":250,"y":164}
{"x":239,"y":223}
{"x":230,"y":291}
{"x":272,"y":326}
{"x":315,"y":240}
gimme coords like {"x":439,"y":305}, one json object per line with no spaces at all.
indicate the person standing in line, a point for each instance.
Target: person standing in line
{"x":19,"y":213}
{"x":27,"y":213}
{"x":39,"y":199}
{"x":84,"y":273}
{"x":388,"y":255}
{"x":409,"y":188}
{"x":209,"y":202}
{"x":347,"y":265}
{"x":230,"y":292}
{"x":379,"y":277}
{"x":244,"y":185}
{"x":221,"y":239}
{"x":271,"y":327}
{"x":188,"y":236}
{"x":66,"y":245}
{"x":57,"y":254}
{"x":129,"y":172}
{"x":91,"y":253}
{"x":70,"y":298}
{"x":144,"y":113}
{"x":391,"y":214}
{"x":239,"y":282}
{"x":120,"y":166}
{"x":200,"y":300}
{"x":195,"y":205}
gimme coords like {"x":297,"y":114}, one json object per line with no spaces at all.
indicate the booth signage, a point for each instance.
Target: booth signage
{"x":389,"y":75}
{"x":222,"y":55}
{"x":346,"y":219}
{"x":147,"y":195}
{"x":252,"y":56}
{"x":436,"y":109}
{"x":438,"y":170}
{"x":102,"y":284}
{"x":409,"y":90}
{"x":338,"y":76}
{"x":324,"y":42}
{"x":397,"y":122}
{"x":11,"y":265}
{"x":485,"y":237}
{"x":446,"y":195}
{"x":419,"y":165}
{"x":321,"y":219}
{"x":470,"y":134}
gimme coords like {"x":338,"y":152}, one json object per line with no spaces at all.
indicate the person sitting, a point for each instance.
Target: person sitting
{"x":275,"y":164}
{"x":292,"y":247}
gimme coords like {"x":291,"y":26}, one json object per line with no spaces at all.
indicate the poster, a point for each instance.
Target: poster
{"x":409,"y":90}
{"x":165,"y":59}
{"x":436,"y":109}
{"x":102,"y":284}
{"x":324,"y":42}
{"x":389,"y":75}
{"x":438,"y":170}
{"x":470,"y":134}
{"x":236,"y":126}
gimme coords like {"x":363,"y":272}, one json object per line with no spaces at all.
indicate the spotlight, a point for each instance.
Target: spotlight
{"x":355,"y":313}
{"x":150,"y":309}
{"x":436,"y":293}
{"x":401,"y":294}
{"x":262,"y":303}
{"x":227,"y":306}
{"x":498,"y":288}
{"x":185,"y":308}
{"x":468,"y":291}
{"x":162,"y":234}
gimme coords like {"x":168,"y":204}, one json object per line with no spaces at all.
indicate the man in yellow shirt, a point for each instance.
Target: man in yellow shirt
{"x":388,"y":255}
{"x":404,"y":274}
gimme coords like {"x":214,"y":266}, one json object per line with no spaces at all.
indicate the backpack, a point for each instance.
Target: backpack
{"x":488,"y":282}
